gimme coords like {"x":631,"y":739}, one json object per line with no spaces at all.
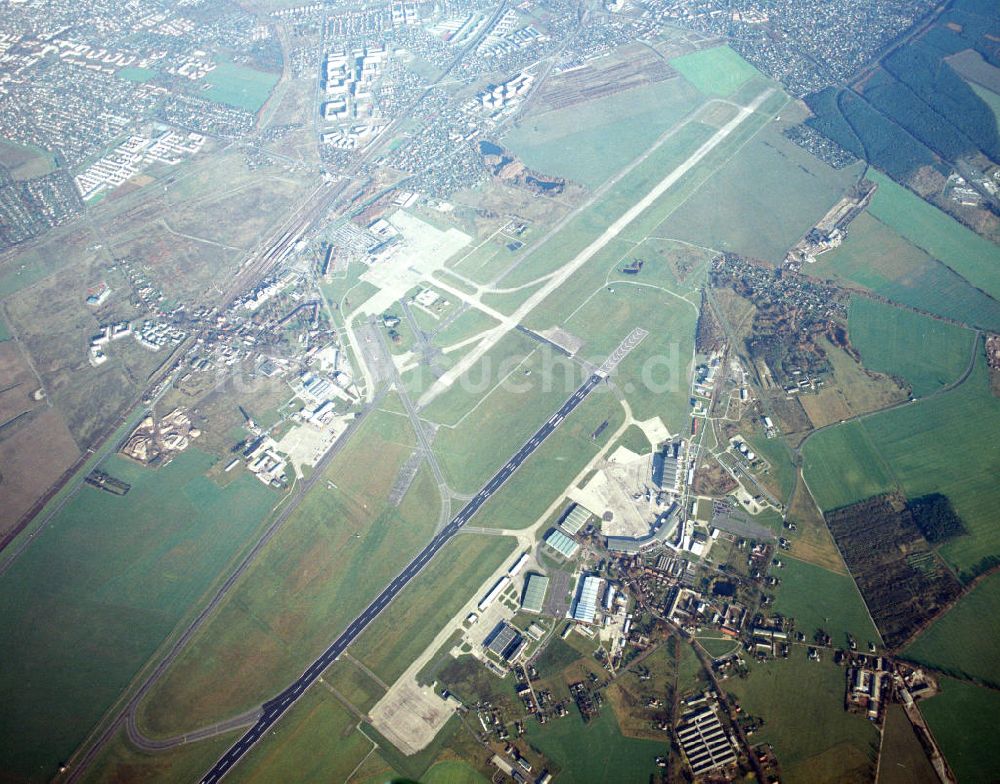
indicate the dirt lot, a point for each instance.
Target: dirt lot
{"x":17,"y":383}
{"x":34,"y":453}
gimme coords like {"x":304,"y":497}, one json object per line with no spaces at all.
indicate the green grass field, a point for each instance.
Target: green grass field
{"x":944,"y":238}
{"x":333,"y":554}
{"x":405,"y":629}
{"x":819,"y":599}
{"x":503,"y":419}
{"x":453,"y":772}
{"x":927,"y":353}
{"x":317,"y":741}
{"x":944,"y":444}
{"x":841,"y":466}
{"x":590,"y":146}
{"x":902,"y":758}
{"x":780,"y":477}
{"x":963,"y":721}
{"x":236,"y":85}
{"x":545,"y":475}
{"x":140,"y":75}
{"x":120,"y":761}
{"x":991,"y":98}
{"x":596,"y":752}
{"x":99,"y":590}
{"x":715,"y":71}
{"x":28,"y":268}
{"x":878,"y":258}
{"x":802,"y":704}
{"x":633,"y":438}
{"x":719,"y":646}
{"x":964,"y":641}
{"x":558,"y":249}
{"x":761,"y":201}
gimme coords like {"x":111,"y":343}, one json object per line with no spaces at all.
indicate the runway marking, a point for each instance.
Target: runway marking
{"x":274,"y":709}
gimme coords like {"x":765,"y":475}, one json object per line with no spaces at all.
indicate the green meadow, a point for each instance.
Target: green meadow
{"x":819,"y":599}
{"x":716,"y":71}
{"x":239,"y":86}
{"x":928,"y":354}
{"x":880,"y":259}
{"x":945,"y":444}
{"x":962,"y":250}
{"x":963,"y":719}
{"x":964,"y":641}
{"x":101,"y":588}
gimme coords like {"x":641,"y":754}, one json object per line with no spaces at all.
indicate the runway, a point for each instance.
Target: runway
{"x":274,"y":709}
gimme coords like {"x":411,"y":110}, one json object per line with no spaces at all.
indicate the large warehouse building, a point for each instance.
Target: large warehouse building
{"x":586,"y":601}
{"x":535,"y":588}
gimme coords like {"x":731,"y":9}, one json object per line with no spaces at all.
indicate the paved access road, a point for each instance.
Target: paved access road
{"x":274,"y":709}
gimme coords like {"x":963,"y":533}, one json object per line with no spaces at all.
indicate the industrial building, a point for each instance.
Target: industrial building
{"x":704,"y":740}
{"x":666,"y":465}
{"x":586,"y":601}
{"x":561,"y":543}
{"x":505,"y":641}
{"x":575,"y":519}
{"x":624,"y":545}
{"x":535,"y":588}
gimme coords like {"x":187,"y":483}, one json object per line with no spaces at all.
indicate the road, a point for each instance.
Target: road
{"x":91,"y":749}
{"x":274,"y":709}
{"x":508,"y":323}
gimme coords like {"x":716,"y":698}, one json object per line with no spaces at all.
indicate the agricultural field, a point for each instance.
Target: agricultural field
{"x":318,"y":742}
{"x":947,"y":445}
{"x":963,"y":721}
{"x":943,"y":444}
{"x":928,"y":354}
{"x":35,"y":452}
{"x":819,"y":599}
{"x":904,"y":273}
{"x":815,"y":739}
{"x":841,"y":465}
{"x":334,"y":553}
{"x":761,"y":201}
{"x":453,"y":772}
{"x":812,"y":542}
{"x":595,"y":752}
{"x":716,"y":71}
{"x":940,"y":235}
{"x":590,"y":146}
{"x":963,"y":642}
{"x":409,"y":624}
{"x":239,"y":86}
{"x":902,"y":759}
{"x":112,"y":576}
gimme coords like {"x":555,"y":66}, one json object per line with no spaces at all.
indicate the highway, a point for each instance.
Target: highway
{"x":274,"y":709}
